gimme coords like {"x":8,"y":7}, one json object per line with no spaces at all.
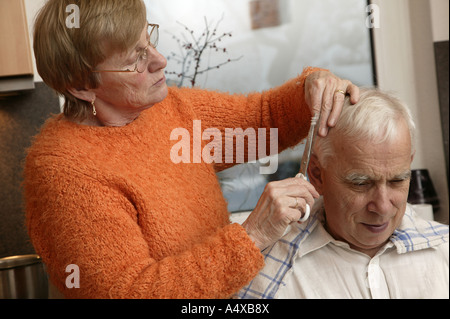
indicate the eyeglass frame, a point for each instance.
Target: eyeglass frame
{"x":144,"y":50}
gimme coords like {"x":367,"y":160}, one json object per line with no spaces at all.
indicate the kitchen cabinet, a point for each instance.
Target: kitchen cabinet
{"x":15,"y":51}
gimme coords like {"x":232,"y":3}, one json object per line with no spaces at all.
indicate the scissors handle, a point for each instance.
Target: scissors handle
{"x":307,"y":212}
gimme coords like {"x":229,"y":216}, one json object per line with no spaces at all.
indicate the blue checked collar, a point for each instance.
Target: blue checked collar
{"x":415,"y":233}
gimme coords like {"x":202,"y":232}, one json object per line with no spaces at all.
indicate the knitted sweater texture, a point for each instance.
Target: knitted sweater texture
{"x":137,"y":225}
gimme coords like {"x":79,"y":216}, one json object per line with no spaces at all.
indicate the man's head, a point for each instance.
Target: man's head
{"x":362,"y":169}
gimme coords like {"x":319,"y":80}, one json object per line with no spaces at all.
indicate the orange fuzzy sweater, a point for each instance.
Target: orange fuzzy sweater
{"x":111,"y":201}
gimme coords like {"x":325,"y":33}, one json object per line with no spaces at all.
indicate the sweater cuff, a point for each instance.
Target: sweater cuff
{"x":245,"y":253}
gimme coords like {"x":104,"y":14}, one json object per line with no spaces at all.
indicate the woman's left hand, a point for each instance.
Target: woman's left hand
{"x":325,"y":91}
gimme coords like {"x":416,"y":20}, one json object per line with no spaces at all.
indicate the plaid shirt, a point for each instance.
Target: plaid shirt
{"x":413,"y":235}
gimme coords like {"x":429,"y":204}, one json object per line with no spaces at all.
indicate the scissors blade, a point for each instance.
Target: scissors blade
{"x":309,"y":144}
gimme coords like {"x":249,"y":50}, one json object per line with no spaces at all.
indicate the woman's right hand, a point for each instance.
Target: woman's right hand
{"x":281,"y":204}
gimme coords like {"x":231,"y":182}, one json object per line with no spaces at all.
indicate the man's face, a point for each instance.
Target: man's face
{"x":365,"y":188}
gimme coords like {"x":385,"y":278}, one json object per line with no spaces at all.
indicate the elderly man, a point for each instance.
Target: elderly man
{"x":362,"y":240}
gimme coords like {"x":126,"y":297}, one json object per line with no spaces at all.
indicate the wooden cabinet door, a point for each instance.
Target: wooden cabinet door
{"x":15,"y":50}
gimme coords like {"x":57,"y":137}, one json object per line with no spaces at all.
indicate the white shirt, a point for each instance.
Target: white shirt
{"x":308,"y":263}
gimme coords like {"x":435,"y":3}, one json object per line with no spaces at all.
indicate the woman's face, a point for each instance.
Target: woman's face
{"x":121,"y":96}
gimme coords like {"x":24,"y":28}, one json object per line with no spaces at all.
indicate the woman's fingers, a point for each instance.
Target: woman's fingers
{"x":325,"y":92}
{"x":292,"y":186}
{"x":353,"y":90}
{"x":299,"y":189}
{"x":282,"y":203}
{"x":328,"y":107}
{"x":300,"y":203}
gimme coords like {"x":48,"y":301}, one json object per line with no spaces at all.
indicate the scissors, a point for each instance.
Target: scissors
{"x":306,"y":156}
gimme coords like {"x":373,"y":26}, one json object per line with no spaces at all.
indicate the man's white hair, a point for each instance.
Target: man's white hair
{"x":375,"y":119}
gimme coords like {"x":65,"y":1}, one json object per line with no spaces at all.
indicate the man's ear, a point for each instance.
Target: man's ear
{"x":315,"y":173}
{"x":83,"y":94}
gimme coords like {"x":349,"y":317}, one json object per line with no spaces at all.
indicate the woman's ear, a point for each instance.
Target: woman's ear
{"x":83,"y":94}
{"x":315,"y":173}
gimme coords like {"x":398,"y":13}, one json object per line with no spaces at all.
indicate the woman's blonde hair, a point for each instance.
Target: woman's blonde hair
{"x":66,"y":55}
{"x":375,"y":119}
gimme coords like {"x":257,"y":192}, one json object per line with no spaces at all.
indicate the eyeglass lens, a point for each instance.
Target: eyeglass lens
{"x":153,"y":32}
{"x":153,"y":41}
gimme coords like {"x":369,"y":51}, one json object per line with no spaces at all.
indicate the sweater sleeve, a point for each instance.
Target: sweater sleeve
{"x":74,"y":219}
{"x":283,"y":108}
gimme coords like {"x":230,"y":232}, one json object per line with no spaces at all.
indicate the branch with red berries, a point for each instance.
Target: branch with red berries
{"x":191,"y":51}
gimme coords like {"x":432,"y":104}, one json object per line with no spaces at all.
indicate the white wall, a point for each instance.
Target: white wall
{"x":406,"y":65}
{"x":439,"y":19}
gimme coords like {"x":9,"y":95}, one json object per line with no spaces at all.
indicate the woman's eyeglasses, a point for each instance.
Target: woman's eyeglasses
{"x":141,"y":61}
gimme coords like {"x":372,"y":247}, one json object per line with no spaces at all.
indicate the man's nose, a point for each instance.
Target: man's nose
{"x":380,"y":202}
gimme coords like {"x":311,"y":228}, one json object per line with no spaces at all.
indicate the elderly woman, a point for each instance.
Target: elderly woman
{"x":102,"y":192}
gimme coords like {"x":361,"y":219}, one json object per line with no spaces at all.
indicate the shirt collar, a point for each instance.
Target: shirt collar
{"x":415,"y":233}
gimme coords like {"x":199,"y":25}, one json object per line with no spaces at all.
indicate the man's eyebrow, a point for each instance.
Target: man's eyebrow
{"x":402,"y":176}
{"x":352,"y":177}
{"x":356,"y":177}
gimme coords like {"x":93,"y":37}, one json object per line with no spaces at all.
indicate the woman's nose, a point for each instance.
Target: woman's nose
{"x":156,"y":60}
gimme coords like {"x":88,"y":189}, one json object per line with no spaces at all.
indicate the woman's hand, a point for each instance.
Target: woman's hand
{"x":281,"y":204}
{"x":324,"y":90}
